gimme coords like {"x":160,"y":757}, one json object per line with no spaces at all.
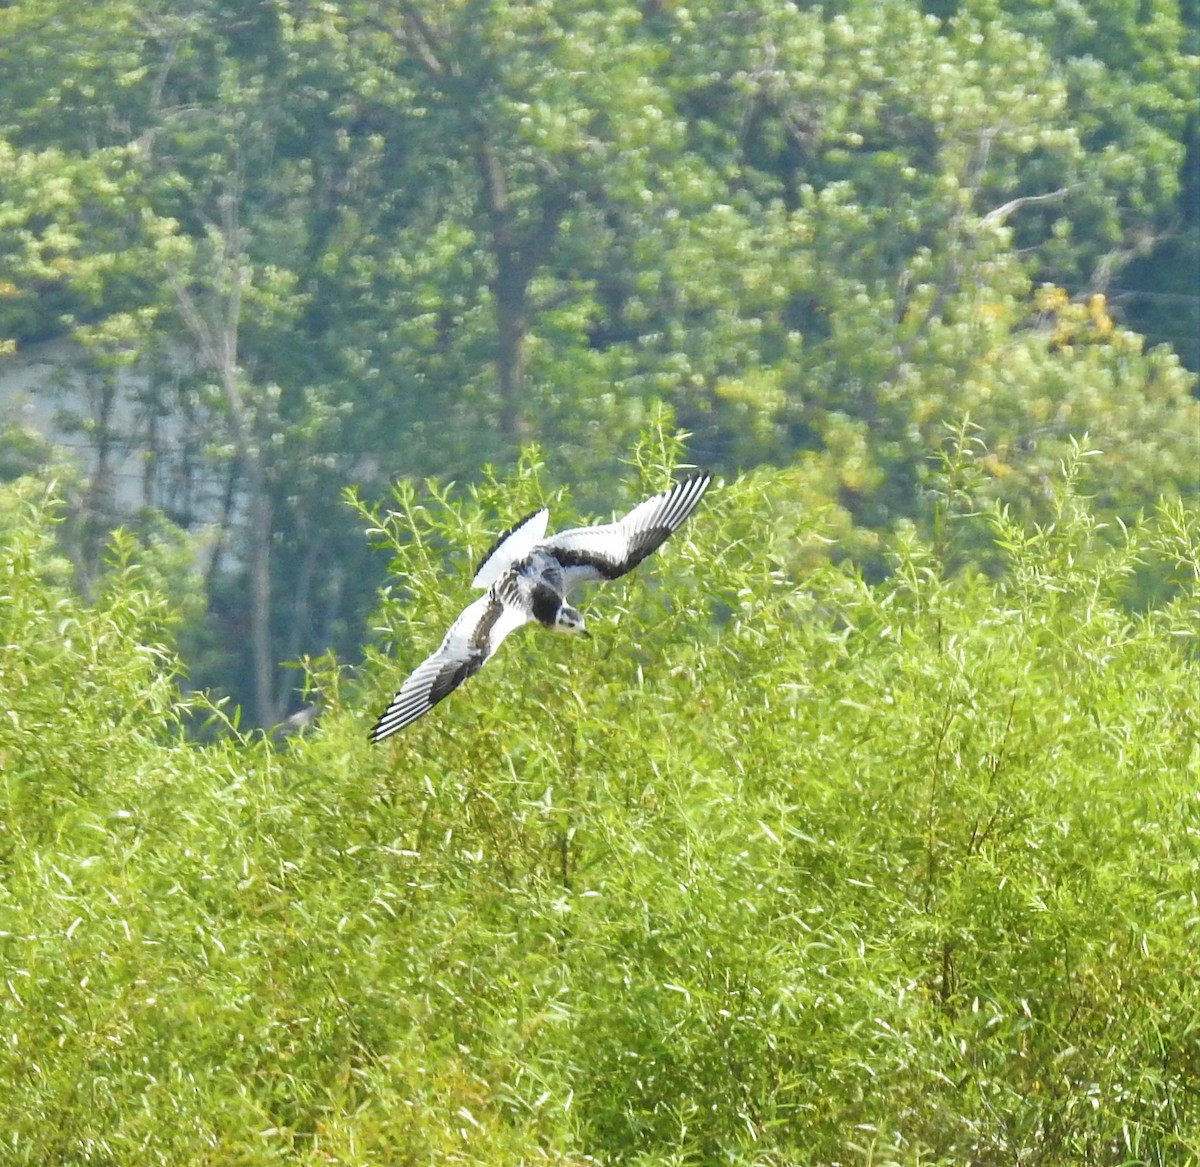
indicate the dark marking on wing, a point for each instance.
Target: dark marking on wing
{"x":502,"y":536}
{"x":478,"y":647}
{"x":645,"y":543}
{"x":449,"y":679}
{"x":440,"y":674}
{"x":481,"y":634}
{"x":507,"y":591}
{"x":642,"y":544}
{"x":639,"y":534}
{"x":573,"y":557}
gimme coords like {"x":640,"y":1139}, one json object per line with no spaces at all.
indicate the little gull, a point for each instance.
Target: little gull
{"x":528,"y":577}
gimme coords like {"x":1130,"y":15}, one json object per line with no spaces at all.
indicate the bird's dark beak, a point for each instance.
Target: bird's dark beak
{"x":585,"y":634}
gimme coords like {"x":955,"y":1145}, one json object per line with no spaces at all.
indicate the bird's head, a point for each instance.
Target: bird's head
{"x":570,"y":620}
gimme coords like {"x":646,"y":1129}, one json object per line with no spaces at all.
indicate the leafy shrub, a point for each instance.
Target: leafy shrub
{"x":782,"y":866}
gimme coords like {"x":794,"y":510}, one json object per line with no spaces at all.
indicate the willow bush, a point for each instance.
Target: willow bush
{"x":783,"y":865}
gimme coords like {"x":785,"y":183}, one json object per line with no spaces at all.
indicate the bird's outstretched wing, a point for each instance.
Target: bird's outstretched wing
{"x":517,"y":542}
{"x":472,"y":638}
{"x":595,"y":553}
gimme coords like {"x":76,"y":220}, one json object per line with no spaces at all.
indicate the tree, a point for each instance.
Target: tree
{"x":215,"y":326}
{"x":818,"y":235}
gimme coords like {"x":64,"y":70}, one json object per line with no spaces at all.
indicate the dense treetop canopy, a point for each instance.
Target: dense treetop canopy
{"x":298,"y":246}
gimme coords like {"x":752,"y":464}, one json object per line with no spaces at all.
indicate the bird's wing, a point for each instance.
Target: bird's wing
{"x":517,"y":542}
{"x":593,"y":553}
{"x":472,"y":638}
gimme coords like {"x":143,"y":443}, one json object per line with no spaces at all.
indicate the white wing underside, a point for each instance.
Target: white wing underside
{"x":514,"y":546}
{"x":458,"y":642}
{"x":606,"y":552}
{"x":471,"y":641}
{"x":607,"y":544}
{"x":577,"y":556}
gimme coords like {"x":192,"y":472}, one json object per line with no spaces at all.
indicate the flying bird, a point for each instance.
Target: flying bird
{"x":528,"y":576}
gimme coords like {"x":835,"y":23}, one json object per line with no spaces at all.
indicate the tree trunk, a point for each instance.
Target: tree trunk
{"x":258,"y":551}
{"x":216,"y":334}
{"x":509,"y":288}
{"x":512,"y":325}
{"x":517,"y":254}
{"x":517,"y":247}
{"x":266,"y":708}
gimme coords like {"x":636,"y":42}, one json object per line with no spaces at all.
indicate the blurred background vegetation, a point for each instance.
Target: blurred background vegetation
{"x":865,"y":830}
{"x":255,"y":252}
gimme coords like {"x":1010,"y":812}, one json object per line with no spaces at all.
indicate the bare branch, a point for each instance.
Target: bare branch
{"x":194,"y":318}
{"x":997,"y":217}
{"x":423,"y":41}
{"x":1113,"y":261}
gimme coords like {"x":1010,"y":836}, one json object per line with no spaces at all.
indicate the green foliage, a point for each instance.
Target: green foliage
{"x":414,"y":235}
{"x":782,"y":866}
